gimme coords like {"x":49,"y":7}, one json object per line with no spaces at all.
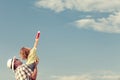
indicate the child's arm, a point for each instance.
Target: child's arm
{"x":36,"y":39}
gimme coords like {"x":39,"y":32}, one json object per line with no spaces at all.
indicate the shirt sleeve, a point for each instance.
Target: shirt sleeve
{"x":32,"y":56}
{"x":33,"y":51}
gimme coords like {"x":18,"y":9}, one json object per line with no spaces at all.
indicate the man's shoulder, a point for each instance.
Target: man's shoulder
{"x":22,"y":72}
{"x":22,"y":66}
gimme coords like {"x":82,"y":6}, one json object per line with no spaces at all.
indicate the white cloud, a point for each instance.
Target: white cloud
{"x":73,"y":77}
{"x":109,"y":25}
{"x":80,"y":5}
{"x":56,"y":5}
{"x":91,"y":76}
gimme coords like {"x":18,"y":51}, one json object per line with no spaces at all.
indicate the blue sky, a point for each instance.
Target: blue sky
{"x":80,"y":39}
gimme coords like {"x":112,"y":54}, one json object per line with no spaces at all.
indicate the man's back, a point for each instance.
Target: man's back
{"x":22,"y":72}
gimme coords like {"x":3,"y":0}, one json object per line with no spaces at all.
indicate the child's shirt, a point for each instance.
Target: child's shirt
{"x":32,"y":57}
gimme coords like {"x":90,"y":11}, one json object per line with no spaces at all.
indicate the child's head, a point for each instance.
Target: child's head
{"x":24,"y":52}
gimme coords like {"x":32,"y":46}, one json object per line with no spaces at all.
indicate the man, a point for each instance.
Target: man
{"x":22,"y":72}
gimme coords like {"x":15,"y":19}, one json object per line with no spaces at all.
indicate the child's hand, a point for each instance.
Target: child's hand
{"x":36,"y":39}
{"x":36,"y":62}
{"x":38,"y":35}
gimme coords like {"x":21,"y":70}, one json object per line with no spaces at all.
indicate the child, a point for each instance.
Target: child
{"x":29,"y":54}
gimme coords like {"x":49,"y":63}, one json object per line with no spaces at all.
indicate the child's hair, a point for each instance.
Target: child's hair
{"x":24,"y":52}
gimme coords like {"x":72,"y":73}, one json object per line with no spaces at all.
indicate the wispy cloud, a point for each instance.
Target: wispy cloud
{"x":105,"y":75}
{"x":56,"y":5}
{"x":110,"y":24}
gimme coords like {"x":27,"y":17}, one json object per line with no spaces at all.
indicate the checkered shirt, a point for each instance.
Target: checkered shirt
{"x":23,"y":72}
